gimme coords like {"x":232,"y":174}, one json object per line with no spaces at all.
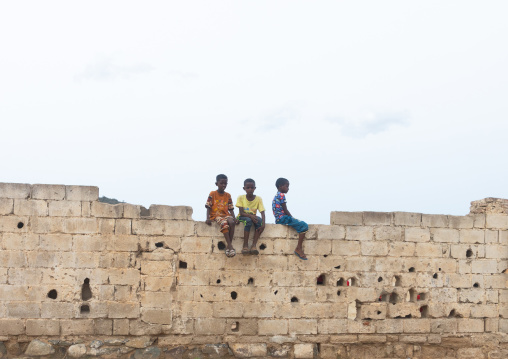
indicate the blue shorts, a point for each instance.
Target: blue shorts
{"x":248,"y":223}
{"x":300,"y":226}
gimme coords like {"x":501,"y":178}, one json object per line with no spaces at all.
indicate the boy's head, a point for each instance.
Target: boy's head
{"x":221,"y":182}
{"x":249,"y":185}
{"x":282,"y":185}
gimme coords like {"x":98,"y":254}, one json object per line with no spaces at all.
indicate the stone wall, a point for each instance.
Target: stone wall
{"x":79,"y":277}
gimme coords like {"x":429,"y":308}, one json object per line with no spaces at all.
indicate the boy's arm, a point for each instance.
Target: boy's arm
{"x":232,"y":213}
{"x":285,"y":208}
{"x":208,"y":221}
{"x":262,"y":228}
{"x":245,"y":214}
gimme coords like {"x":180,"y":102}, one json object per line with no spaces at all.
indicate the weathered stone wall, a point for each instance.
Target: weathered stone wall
{"x":82,"y":277}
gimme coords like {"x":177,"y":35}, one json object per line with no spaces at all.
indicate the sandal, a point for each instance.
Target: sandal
{"x":246,"y":251}
{"x":254,"y":251}
{"x":227,"y":253}
{"x":303,"y":258}
{"x":232,"y":252}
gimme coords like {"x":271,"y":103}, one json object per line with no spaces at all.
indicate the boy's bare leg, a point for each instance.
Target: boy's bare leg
{"x":255,"y":240}
{"x":299,"y":246}
{"x":230,"y":234}
{"x":246,"y":240}
{"x":229,"y":244}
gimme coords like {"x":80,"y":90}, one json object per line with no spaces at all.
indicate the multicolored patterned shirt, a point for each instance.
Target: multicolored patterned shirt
{"x":219,"y":204}
{"x":277,"y":202}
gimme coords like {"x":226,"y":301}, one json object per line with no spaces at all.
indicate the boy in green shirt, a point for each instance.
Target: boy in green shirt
{"x":249,"y":204}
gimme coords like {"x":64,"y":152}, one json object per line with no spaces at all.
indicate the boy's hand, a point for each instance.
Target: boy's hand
{"x":237,"y":221}
{"x":208,"y":221}
{"x":254,"y":219}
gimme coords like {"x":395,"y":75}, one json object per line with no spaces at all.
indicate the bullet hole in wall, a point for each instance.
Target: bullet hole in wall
{"x":325,"y":255}
{"x":469,"y":253}
{"x":159,"y":244}
{"x":221,"y":245}
{"x":218,"y":281}
{"x":320,"y":280}
{"x":20,"y":225}
{"x":294,"y":300}
{"x":424,"y":310}
{"x":250,"y":281}
{"x":380,"y":279}
{"x":476,"y":285}
{"x":262,"y":247}
{"x":276,"y":292}
{"x":234,"y":295}
{"x":52,"y":294}
{"x":340,"y":282}
{"x":182,"y":265}
{"x":434,"y":276}
{"x":338,"y":293}
{"x":235,"y":327}
{"x":394,"y":298}
{"x":412,"y":269}
{"x":337,"y":267}
{"x":86,"y":292}
{"x":84,"y":309}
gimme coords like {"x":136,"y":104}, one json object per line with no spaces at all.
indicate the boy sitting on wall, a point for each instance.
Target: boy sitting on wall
{"x":248,"y":205}
{"x":219,"y":207}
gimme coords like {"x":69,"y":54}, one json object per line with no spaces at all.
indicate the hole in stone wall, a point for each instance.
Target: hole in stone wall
{"x":234,"y":295}
{"x":159,"y":244}
{"x":424,"y":310}
{"x":221,"y":245}
{"x":469,"y":253}
{"x":144,"y":212}
{"x":380,"y":279}
{"x":320,"y":280}
{"x":86,"y":292}
{"x":325,"y":255}
{"x":337,"y":267}
{"x":201,"y":295}
{"x":262,"y":247}
{"x":338,"y":293}
{"x":52,"y":294}
{"x":384,"y":297}
{"x":235,"y":327}
{"x":476,"y":285}
{"x":20,"y":225}
{"x":439,"y":269}
{"x":454,"y":314}
{"x":394,"y":298}
{"x":505,"y":271}
{"x":378,"y":312}
{"x":294,"y":300}
{"x":421,"y":296}
{"x":84,"y":309}
{"x":396,"y":282}
{"x":350,"y":282}
{"x":218,"y":281}
{"x":412,"y":269}
{"x":250,"y":281}
{"x":340,"y":282}
{"x":276,"y":292}
{"x":182,"y":265}
{"x":434,"y":276}
{"x":411,"y":296}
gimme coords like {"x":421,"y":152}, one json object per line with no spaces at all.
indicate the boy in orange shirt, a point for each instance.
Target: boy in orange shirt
{"x":219,"y":207}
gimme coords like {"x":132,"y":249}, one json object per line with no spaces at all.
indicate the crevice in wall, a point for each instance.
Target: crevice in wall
{"x":86,"y":292}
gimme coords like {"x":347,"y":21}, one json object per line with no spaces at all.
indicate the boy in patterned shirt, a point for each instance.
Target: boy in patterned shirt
{"x":282,"y":215}
{"x":219,"y":208}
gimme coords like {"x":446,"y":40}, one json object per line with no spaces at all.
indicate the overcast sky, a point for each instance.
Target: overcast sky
{"x":363,"y":106}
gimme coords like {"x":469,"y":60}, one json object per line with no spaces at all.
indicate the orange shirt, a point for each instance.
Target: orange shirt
{"x":220,"y":204}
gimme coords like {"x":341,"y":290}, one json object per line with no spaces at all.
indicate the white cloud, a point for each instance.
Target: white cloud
{"x":106,"y":70}
{"x":371,"y":123}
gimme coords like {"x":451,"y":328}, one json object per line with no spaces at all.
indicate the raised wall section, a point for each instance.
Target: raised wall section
{"x":79,"y":277}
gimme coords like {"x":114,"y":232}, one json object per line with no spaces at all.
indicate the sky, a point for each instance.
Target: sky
{"x":362,"y":106}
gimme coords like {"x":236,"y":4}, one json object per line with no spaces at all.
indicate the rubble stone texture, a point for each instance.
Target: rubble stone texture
{"x":82,"y":278}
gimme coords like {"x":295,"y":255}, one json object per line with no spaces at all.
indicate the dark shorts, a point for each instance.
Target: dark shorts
{"x":300,"y":226}
{"x":248,"y":223}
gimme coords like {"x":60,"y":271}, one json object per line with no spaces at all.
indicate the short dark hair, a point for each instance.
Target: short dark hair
{"x":249,"y":180}
{"x":221,"y":176}
{"x":281,"y":182}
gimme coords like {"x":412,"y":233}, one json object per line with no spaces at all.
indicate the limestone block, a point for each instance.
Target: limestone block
{"x":196,"y":245}
{"x":445,"y":235}
{"x":364,"y":326}
{"x":55,"y":242}
{"x":491,"y":237}
{"x":179,"y":228}
{"x":389,"y":326}
{"x":162,"y":268}
{"x":491,"y":325}
{"x":138,"y":327}
{"x":360,"y":264}
{"x":466,"y":325}
{"x":319,"y":247}
{"x":80,"y":225}
{"x":209,"y":326}
{"x":156,"y":284}
{"x":377,"y":218}
{"x":46,"y":225}
{"x":274,"y":262}
{"x":331,"y":232}
{"x":416,"y":325}
{"x":11,"y":224}
{"x":448,"y":325}
{"x":14,"y":190}
{"x":125,"y":276}
{"x":385,"y":264}
{"x":407,"y":219}
{"x":435,"y":220}
{"x":23,"y":207}
{"x":56,"y":310}
{"x":259,"y":310}
{"x":401,"y":249}
{"x":417,"y":235}
{"x":325,"y":309}
{"x":86,"y":243}
{"x":77,"y":327}
{"x":305,"y":351}
{"x":460,"y":222}
{"x":471,"y":295}
{"x":443,"y":295}
{"x":374,"y":248}
{"x":472,"y":236}
{"x":484,"y":266}
{"x":171,"y":212}
{"x":123,"y":310}
{"x":496,"y":281}
{"x":496,"y":251}
{"x":156,"y":316}
{"x":497,"y":221}
{"x":123,"y":226}
{"x":23,"y":310}
{"x":430,"y":250}
{"x":227,"y":310}
{"x":241,"y":350}
{"x":503,"y":237}
{"x":332,"y":326}
{"x":131,"y":211}
{"x":372,"y":311}
{"x":485,"y":311}
{"x":148,"y":227}
{"x":20,"y":241}
{"x":6,"y":206}
{"x":42,"y":327}
{"x":303,"y":326}
{"x":47,"y":191}
{"x":273,"y":327}
{"x":391,"y":234}
{"x":195,"y":309}
{"x":106,"y":210}
{"x":63,"y":208}
{"x":121,"y":327}
{"x":346,"y":218}
{"x":402,"y":310}
{"x":12,"y":259}
{"x":160,"y":300}
{"x":81,"y":193}
{"x":359,"y":233}
{"x":345,"y":248}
